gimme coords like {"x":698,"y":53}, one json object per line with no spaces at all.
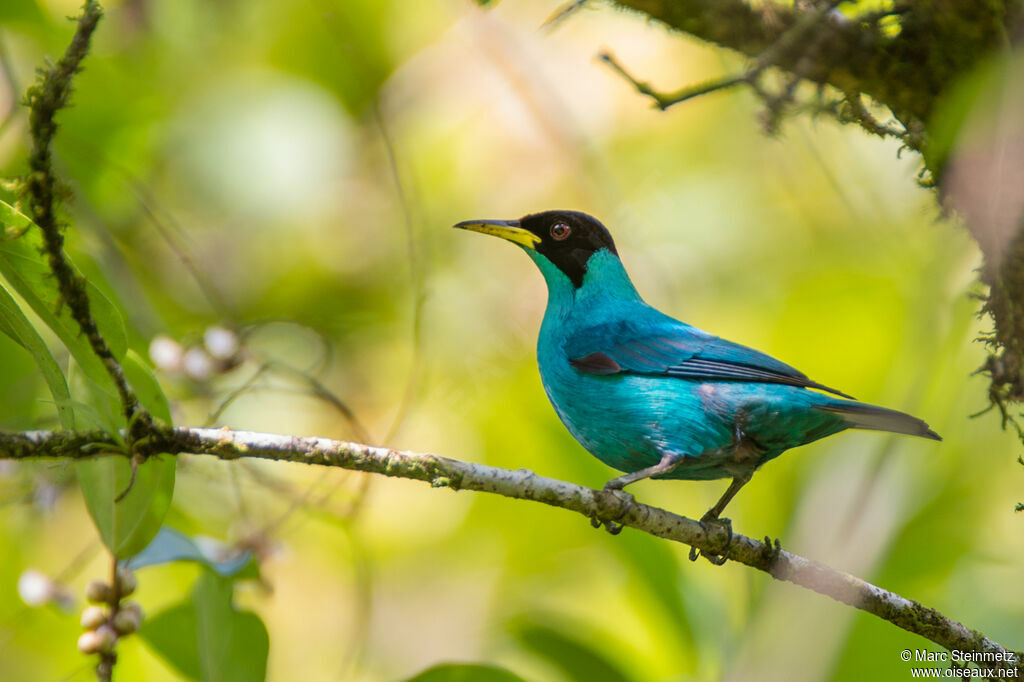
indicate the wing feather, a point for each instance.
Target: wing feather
{"x":671,"y":348}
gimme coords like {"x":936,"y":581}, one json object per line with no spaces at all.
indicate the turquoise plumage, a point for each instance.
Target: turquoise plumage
{"x":655,"y":397}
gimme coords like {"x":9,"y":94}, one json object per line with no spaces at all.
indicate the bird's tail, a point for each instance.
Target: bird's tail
{"x":874,"y":418}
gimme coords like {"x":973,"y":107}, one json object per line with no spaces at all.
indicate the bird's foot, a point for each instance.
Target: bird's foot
{"x":713,"y":525}
{"x":610,"y":526}
{"x":772,"y":549}
{"x":618,"y":504}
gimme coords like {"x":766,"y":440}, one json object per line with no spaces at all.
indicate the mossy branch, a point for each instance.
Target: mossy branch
{"x":442,"y":472}
{"x":50,"y":94}
{"x":906,"y":69}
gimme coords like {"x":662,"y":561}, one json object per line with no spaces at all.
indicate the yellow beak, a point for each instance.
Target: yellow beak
{"x":506,"y":229}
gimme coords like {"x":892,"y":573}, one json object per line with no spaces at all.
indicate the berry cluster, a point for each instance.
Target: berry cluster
{"x":108,"y":618}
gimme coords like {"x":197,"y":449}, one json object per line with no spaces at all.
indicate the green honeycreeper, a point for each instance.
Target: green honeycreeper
{"x":655,"y":397}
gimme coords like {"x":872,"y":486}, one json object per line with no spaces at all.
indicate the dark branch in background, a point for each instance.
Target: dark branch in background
{"x":798,"y":45}
{"x":906,"y":72}
{"x":442,"y":472}
{"x":664,"y":100}
{"x":561,"y":14}
{"x":49,"y":95}
{"x":853,"y":111}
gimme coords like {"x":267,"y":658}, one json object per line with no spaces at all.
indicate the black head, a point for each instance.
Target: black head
{"x":566,"y":238}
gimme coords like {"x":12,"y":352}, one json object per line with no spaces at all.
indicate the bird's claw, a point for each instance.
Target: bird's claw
{"x":716,"y":559}
{"x":610,"y":526}
{"x":772,"y":549}
{"x":623,"y":500}
{"x":613,"y":528}
{"x":709,"y":523}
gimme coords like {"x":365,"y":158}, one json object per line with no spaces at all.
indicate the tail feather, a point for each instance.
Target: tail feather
{"x":874,"y":418}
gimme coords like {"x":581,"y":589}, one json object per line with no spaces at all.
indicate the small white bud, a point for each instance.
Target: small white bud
{"x":98,"y":592}
{"x":35,"y":588}
{"x":108,"y":638}
{"x":127,"y":621}
{"x":166,"y":353}
{"x":93,"y":617}
{"x":222,"y":343}
{"x":134,"y":607}
{"x":89,"y":642}
{"x":126,"y":582}
{"x":199,"y":366}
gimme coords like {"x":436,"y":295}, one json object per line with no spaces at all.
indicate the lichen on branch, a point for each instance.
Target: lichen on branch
{"x":443,"y":472}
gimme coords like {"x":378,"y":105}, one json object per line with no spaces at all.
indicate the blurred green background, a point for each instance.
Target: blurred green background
{"x":291,"y":170}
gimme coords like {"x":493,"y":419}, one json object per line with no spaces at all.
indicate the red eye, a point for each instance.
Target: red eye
{"x":560,"y":231}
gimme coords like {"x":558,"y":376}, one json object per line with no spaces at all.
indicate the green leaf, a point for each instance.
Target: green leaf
{"x":15,"y":324}
{"x":233,"y":645}
{"x":109,"y":320}
{"x":465,"y":672}
{"x":26,"y":270}
{"x":170,"y":545}
{"x":207,"y":639}
{"x":126,"y":527}
{"x":7,"y":330}
{"x":172,"y":635}
{"x":578,"y":661}
{"x":147,"y":388}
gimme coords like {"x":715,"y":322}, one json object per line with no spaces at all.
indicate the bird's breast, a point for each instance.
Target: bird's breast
{"x":630,"y":421}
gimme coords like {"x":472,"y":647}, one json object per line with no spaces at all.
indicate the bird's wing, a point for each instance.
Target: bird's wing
{"x":671,"y":348}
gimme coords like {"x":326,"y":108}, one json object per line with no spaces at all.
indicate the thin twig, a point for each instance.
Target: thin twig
{"x":236,"y":393}
{"x":166,"y":225}
{"x":417,"y":275}
{"x":526,"y":485}
{"x":317,"y":389}
{"x":664,"y":100}
{"x":794,"y":39}
{"x":561,"y":14}
{"x":858,"y":113}
{"x":178,"y":245}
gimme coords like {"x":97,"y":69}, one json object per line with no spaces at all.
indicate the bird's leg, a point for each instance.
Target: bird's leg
{"x":667,"y":464}
{"x":616,"y":485}
{"x":730,"y":492}
{"x":712,"y":517}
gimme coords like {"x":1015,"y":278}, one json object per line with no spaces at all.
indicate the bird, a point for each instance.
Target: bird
{"x":654,"y":397}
